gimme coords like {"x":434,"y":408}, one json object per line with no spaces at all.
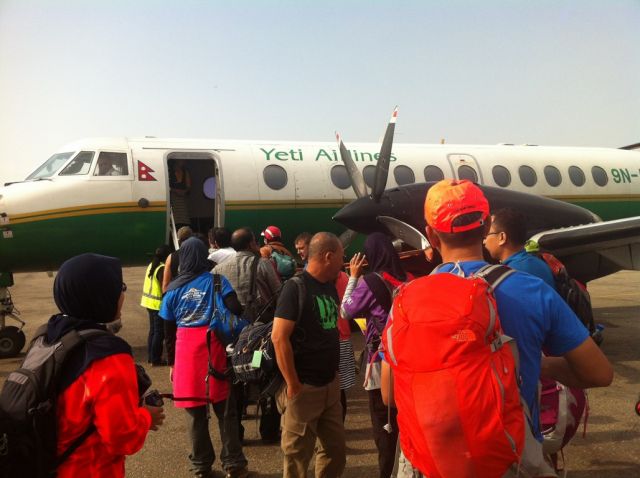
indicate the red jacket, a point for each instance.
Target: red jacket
{"x":106,"y":394}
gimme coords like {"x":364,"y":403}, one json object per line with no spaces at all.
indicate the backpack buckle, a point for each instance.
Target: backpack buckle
{"x":496,"y":344}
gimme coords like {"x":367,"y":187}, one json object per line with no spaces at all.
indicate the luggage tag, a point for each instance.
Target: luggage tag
{"x":257,"y":359}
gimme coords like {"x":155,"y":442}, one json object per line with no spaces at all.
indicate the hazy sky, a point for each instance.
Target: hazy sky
{"x":544,"y":72}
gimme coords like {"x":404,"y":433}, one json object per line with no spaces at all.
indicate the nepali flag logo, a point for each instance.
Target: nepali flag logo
{"x":144,"y":172}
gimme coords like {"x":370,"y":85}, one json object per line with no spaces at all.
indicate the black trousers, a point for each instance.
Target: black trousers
{"x":385,"y":442}
{"x":202,"y":453}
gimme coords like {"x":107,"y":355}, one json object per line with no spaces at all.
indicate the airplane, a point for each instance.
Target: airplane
{"x":67,"y":207}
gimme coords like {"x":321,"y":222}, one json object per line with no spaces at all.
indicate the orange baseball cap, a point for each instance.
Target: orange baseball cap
{"x":449,"y":199}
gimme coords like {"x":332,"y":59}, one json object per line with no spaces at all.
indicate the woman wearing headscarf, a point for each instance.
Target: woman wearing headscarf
{"x":187,"y":308}
{"x":371,"y":297}
{"x":151,"y":300}
{"x":98,"y":386}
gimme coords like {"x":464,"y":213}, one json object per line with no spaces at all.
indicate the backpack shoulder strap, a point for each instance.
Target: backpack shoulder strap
{"x":75,"y":444}
{"x":302,"y":293}
{"x":217,"y":285}
{"x":252,"y":279}
{"x":69,"y":341}
{"x":40,"y":331}
{"x":494,"y":274}
{"x":380,"y":290}
{"x":456,"y":269}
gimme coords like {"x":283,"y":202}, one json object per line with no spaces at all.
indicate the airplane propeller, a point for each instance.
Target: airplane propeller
{"x":382,"y":168}
{"x":396,"y":227}
{"x":357,"y":180}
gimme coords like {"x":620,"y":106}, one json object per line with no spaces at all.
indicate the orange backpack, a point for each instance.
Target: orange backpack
{"x":455,"y":380}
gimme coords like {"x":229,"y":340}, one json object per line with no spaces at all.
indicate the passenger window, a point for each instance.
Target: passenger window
{"x":369,"y":173}
{"x":404,"y":175}
{"x":467,"y":172}
{"x":340,"y":177}
{"x":433,"y":173}
{"x":275,"y":176}
{"x":80,"y":165}
{"x":599,"y":176}
{"x":527,"y":175}
{"x":112,"y":164}
{"x":501,"y":176}
{"x":552,"y":175}
{"x":576,"y":175}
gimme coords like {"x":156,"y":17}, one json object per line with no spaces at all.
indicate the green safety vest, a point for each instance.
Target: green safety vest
{"x":152,"y":290}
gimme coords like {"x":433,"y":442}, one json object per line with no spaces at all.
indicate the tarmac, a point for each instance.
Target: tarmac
{"x":610,"y":448}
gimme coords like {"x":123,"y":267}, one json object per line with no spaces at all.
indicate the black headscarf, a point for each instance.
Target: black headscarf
{"x":382,"y":257}
{"x":87,"y":289}
{"x":193,"y":262}
{"x":159,"y":257}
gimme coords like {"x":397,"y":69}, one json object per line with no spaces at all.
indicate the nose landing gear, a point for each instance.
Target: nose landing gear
{"x":12,"y":338}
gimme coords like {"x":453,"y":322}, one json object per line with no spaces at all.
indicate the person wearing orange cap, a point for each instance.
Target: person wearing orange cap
{"x":457,"y":216}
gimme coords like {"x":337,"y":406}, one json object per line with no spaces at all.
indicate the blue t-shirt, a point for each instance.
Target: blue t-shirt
{"x":537,"y":318}
{"x":192,"y":304}
{"x":525,"y":262}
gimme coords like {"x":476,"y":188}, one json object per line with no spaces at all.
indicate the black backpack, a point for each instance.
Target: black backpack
{"x":253,"y":359}
{"x":574,"y":294}
{"x":28,"y":423}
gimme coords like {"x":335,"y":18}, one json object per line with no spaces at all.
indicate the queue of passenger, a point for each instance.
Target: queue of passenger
{"x":311,"y":315}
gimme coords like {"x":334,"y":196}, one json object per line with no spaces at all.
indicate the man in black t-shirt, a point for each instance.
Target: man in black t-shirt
{"x":308,"y":353}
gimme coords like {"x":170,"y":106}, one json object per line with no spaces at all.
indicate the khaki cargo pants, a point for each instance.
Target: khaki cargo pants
{"x":316,"y":412}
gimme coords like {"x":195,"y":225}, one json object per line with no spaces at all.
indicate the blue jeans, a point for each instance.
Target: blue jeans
{"x":155,"y":338}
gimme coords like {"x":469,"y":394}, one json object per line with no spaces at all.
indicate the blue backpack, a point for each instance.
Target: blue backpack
{"x":225,"y":325}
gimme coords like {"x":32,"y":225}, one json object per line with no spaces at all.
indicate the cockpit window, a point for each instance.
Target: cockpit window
{"x":50,"y":166}
{"x":80,"y":165}
{"x":112,"y":164}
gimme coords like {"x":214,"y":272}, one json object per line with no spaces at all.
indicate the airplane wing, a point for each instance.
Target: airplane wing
{"x":595,"y":250}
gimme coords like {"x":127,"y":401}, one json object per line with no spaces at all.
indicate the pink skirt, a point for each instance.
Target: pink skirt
{"x":190,"y":367}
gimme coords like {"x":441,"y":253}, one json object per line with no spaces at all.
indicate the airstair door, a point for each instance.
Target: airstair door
{"x":196,"y":195}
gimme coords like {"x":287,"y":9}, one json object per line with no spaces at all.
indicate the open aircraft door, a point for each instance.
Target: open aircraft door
{"x":465,"y":166}
{"x":202,"y":207}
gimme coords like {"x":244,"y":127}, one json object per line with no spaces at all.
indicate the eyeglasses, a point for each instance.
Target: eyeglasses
{"x":492,"y":233}
{"x":124,"y":287}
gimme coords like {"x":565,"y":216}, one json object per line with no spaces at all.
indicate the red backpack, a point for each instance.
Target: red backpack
{"x":455,"y":380}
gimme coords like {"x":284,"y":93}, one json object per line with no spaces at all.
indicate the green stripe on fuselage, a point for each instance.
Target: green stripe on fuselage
{"x":133,"y":236}
{"x":44,"y":245}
